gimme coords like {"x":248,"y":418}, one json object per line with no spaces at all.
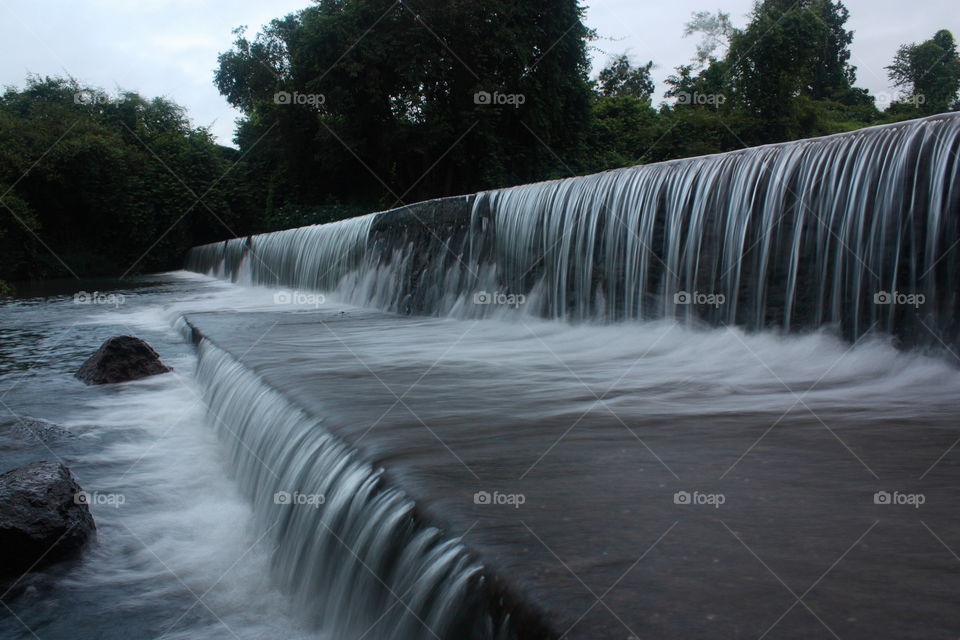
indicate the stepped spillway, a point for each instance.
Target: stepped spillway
{"x":665,"y":401}
{"x":547,"y":460}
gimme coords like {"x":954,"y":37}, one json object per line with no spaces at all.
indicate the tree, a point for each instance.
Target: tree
{"x":717,"y":31}
{"x":832,"y":74}
{"x":928,"y":74}
{"x":791,"y":49}
{"x":107,"y":183}
{"x":624,"y":125}
{"x":395,"y":100}
{"x":620,"y":78}
{"x":709,"y":89}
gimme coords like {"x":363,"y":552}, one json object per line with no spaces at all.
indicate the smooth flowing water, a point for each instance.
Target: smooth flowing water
{"x":186,"y":551}
{"x":179,"y":552}
{"x":858,"y":231}
{"x":596,"y":426}
{"x":317,"y":463}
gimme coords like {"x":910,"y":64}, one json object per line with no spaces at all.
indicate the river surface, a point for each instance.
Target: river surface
{"x":599,"y":427}
{"x":180,"y":557}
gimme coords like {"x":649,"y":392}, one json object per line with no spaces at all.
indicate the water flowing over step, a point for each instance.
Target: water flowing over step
{"x":858,"y":231}
{"x":490,"y":470}
{"x":349,"y":548}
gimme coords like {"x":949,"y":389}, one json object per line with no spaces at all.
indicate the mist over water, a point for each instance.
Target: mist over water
{"x":521,"y":399}
{"x":656,"y":364}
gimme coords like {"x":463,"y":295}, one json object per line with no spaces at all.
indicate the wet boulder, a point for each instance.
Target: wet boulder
{"x":38,"y":430}
{"x":43,"y":517}
{"x":121,"y":359}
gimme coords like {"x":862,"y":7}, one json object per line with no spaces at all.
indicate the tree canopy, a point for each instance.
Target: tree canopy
{"x":354,"y":105}
{"x":374,"y":101}
{"x":94,"y":183}
{"x":928,"y":74}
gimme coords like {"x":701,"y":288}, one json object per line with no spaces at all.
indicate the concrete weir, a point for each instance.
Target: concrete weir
{"x":857,"y":231}
{"x":693,"y":399}
{"x":627,"y":481}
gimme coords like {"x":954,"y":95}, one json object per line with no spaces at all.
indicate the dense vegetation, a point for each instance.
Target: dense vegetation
{"x":354,"y":105}
{"x":98,"y":184}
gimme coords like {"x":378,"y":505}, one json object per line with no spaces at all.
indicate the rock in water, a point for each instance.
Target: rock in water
{"x":42,"y":517}
{"x":37,"y":430}
{"x":120,"y":359}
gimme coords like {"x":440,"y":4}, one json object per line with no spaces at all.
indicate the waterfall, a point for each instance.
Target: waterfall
{"x":858,"y":231}
{"x":348,"y":548}
{"x":312,"y":258}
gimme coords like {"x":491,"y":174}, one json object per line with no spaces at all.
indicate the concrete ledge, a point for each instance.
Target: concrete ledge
{"x":600,"y":516}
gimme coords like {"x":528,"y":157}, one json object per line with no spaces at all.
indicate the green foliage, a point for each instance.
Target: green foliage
{"x":623,"y":132}
{"x":785,"y":75}
{"x":620,"y":79}
{"x":789,"y":50}
{"x":379,"y":103}
{"x":98,"y":184}
{"x":351,"y":106}
{"x":929,"y":75}
{"x":290,"y":216}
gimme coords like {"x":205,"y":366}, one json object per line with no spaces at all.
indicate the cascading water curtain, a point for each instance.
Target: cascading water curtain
{"x":857,"y":230}
{"x":310,"y":258}
{"x":351,"y":553}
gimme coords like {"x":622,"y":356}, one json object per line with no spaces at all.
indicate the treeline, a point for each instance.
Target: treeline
{"x":372,"y":102}
{"x":93,"y":184}
{"x":355,"y":105}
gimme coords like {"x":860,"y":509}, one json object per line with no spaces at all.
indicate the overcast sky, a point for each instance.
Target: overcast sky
{"x":170,"y":47}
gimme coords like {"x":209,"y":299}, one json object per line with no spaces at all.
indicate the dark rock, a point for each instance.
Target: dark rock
{"x":42,"y":517}
{"x":120,"y":359}
{"x":37,"y":430}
